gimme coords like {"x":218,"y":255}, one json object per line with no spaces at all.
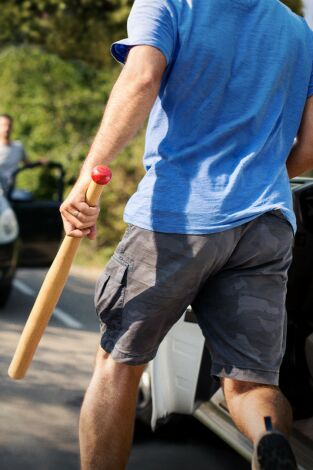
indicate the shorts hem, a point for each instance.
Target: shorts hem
{"x":126,"y":358}
{"x":267,"y":377}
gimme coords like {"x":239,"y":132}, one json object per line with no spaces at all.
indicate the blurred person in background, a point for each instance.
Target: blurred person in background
{"x":12,"y":152}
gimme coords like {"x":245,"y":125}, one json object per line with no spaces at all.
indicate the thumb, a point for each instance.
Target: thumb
{"x":93,"y":233}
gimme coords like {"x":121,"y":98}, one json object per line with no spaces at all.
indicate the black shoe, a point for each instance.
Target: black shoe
{"x":273,"y":452}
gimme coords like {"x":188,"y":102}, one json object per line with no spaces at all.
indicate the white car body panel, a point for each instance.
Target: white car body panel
{"x":173,"y":378}
{"x":175,"y":370}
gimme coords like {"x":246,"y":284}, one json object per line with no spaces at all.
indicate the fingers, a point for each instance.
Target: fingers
{"x":80,"y":209}
{"x":79,"y":219}
{"x":78,"y":233}
{"x":71,"y":231}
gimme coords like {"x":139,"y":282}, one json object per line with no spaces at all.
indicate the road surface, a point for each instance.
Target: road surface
{"x":39,"y":415}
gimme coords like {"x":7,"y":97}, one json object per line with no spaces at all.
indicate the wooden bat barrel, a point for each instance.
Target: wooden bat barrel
{"x":52,"y":286}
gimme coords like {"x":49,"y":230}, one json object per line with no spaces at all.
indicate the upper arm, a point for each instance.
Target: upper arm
{"x":145,"y":64}
{"x":305,"y":134}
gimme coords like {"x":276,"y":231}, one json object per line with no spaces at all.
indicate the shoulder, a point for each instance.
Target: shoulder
{"x":17,"y":144}
{"x":18,"y":148}
{"x":307,"y":28}
{"x":161,"y":6}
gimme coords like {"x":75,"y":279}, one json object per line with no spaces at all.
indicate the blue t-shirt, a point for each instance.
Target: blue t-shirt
{"x":238,"y":75}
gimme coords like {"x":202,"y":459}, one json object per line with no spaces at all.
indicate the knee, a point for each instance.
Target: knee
{"x":108,"y":369}
{"x":236,"y":388}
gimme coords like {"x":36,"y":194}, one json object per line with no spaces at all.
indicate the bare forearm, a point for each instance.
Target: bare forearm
{"x":129,"y":105}
{"x":130,"y":102}
{"x":299,"y":161}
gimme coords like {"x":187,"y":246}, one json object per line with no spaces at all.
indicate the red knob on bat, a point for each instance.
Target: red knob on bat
{"x":101,"y":174}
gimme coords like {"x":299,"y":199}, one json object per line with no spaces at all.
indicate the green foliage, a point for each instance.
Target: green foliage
{"x":295,"y":5}
{"x":51,"y":100}
{"x":73,"y":29}
{"x":57,"y":106}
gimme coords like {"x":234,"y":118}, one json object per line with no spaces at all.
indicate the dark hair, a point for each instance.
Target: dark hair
{"x":7,"y":116}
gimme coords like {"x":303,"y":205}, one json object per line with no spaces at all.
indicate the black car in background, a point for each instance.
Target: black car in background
{"x":30,"y":223}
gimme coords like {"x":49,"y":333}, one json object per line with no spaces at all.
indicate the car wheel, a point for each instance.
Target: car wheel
{"x":144,"y":401}
{"x":5,"y":291}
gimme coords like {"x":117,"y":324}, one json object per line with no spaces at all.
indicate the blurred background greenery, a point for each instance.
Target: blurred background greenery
{"x":56,"y":73}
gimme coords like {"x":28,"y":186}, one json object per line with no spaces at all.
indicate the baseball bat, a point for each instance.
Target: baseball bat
{"x":52,"y":286}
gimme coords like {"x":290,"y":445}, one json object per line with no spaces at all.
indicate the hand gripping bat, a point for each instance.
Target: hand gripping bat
{"x":53,"y":285}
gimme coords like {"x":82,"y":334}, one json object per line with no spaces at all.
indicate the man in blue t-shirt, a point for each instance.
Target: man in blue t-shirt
{"x":227,"y":84}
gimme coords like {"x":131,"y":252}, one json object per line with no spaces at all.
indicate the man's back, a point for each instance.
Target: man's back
{"x":228,"y":111}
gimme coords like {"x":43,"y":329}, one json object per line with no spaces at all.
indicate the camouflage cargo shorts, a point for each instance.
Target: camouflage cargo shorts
{"x":234,"y":280}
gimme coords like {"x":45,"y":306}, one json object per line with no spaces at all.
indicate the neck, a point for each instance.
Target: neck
{"x":5,"y":140}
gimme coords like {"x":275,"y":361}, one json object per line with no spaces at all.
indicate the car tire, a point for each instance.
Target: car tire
{"x":5,"y":292}
{"x":144,"y":401}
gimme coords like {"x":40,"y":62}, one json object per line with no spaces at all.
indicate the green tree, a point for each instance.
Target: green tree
{"x":50,"y":99}
{"x":73,"y":29}
{"x":57,"y":106}
{"x":295,"y":5}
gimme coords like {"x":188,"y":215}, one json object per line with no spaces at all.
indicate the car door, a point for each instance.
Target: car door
{"x":35,"y":196}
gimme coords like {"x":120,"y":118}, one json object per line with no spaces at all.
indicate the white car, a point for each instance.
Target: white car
{"x":30,"y":225}
{"x":178,"y":380}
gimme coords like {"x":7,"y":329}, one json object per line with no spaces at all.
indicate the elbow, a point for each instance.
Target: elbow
{"x":146,"y":82}
{"x":144,"y":69}
{"x":307,"y":154}
{"x":303,"y":150}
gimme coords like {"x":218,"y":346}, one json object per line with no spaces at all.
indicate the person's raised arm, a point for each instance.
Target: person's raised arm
{"x":129,"y":105}
{"x":300,"y":159}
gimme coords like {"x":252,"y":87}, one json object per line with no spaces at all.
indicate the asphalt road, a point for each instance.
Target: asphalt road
{"x":39,"y":415}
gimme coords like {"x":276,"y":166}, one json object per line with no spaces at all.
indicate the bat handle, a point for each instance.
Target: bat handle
{"x":52,"y":286}
{"x":100,"y":176}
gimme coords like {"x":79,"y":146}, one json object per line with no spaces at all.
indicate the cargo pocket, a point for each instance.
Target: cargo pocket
{"x":109,"y":295}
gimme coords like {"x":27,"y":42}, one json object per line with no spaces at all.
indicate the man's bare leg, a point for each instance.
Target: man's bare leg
{"x":249,"y":403}
{"x":108,"y":414}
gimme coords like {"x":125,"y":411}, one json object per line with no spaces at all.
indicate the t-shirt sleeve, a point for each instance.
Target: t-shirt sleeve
{"x":150,"y":23}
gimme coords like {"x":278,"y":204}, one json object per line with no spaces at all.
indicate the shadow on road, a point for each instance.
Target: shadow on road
{"x":182,"y":444}
{"x":39,"y":414}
